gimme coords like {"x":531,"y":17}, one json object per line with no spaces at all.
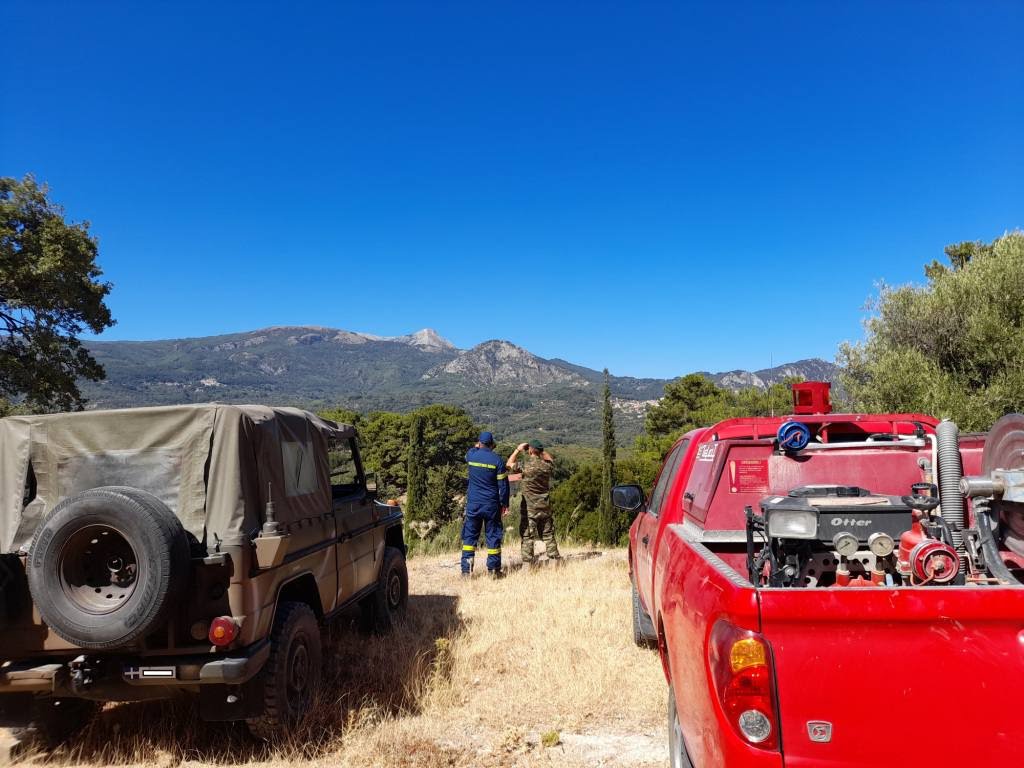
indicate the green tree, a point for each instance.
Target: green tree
{"x":342,"y":416}
{"x":574,"y":504}
{"x":385,"y":452}
{"x":416,"y":471}
{"x":608,"y":515}
{"x":950,"y":347}
{"x":447,"y":433}
{"x":49,"y":293}
{"x":689,"y":402}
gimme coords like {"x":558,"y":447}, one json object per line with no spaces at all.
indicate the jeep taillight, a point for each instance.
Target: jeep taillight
{"x":223,"y":631}
{"x":743,"y":676}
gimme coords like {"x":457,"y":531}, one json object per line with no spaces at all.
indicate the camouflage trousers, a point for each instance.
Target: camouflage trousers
{"x":538,"y":525}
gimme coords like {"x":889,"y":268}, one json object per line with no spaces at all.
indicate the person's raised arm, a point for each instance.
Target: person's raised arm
{"x":515,"y":455}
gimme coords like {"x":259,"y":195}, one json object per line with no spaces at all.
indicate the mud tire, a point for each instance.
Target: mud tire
{"x":643,"y":628}
{"x":391,"y":598}
{"x":292,"y":673}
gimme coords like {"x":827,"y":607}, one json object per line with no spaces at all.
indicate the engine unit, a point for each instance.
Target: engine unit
{"x":824,"y":535}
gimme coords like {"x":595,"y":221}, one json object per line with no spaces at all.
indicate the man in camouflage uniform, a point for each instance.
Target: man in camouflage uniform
{"x":536,"y":468}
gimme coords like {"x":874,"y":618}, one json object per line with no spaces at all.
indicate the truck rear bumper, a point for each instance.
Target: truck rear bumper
{"x":56,"y":678}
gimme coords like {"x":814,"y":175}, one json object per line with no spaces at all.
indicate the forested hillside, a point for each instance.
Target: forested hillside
{"x":500,"y":384}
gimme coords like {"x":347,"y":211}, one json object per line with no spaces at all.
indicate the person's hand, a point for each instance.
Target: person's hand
{"x":504,"y":511}
{"x":523,"y":446}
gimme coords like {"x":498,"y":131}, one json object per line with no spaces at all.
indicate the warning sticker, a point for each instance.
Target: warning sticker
{"x":748,"y":475}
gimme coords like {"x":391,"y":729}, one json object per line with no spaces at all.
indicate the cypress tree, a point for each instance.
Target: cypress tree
{"x":609,"y":516}
{"x":416,"y":471}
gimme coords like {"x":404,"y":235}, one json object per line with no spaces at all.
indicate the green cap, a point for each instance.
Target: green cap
{"x":537,"y":445}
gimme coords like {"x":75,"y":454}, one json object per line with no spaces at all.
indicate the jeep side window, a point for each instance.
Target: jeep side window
{"x":346,"y":470}
{"x":668,"y":475}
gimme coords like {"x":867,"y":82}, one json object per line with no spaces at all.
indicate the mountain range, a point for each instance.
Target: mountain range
{"x":502,"y":385}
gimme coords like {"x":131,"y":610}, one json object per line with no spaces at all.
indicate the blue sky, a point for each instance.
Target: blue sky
{"x":652,"y":187}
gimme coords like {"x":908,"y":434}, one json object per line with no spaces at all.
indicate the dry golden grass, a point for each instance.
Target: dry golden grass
{"x":481,"y":673}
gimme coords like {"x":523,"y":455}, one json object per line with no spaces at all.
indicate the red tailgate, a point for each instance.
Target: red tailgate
{"x":907,"y":676}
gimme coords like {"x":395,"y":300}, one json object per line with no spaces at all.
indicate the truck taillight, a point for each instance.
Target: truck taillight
{"x":742,"y":673}
{"x":223,"y":631}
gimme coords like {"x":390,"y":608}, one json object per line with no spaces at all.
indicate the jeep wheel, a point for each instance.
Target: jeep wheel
{"x":292,"y":673}
{"x":391,"y":597}
{"x":643,"y":628}
{"x":106,"y":565}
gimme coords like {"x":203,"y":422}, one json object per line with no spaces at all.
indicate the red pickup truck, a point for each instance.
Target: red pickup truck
{"x":830,"y":589}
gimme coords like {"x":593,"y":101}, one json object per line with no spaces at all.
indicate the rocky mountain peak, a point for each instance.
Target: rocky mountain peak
{"x":428,"y":339}
{"x":499,"y":362}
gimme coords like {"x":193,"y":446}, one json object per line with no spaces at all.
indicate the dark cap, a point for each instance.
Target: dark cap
{"x":487,"y":438}
{"x":537,"y":445}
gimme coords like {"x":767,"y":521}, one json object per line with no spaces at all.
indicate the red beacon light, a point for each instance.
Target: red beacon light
{"x":812,"y":397}
{"x":223,"y":631}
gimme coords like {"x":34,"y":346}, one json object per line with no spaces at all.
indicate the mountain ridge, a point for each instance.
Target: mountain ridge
{"x":499,"y":383}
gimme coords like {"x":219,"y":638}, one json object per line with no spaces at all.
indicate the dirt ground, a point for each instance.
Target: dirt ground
{"x":536,"y":669}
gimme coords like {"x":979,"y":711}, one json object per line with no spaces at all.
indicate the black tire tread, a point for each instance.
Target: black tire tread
{"x":272,"y":725}
{"x":383,"y":615}
{"x":643,"y":628}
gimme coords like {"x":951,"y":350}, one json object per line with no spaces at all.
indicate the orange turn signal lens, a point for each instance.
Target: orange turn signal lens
{"x":746,"y":653}
{"x":223,"y":631}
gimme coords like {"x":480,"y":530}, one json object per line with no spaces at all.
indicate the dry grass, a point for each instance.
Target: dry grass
{"x":481,"y":673}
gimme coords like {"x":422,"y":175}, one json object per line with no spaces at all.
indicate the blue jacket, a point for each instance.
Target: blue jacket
{"x":488,"y":479}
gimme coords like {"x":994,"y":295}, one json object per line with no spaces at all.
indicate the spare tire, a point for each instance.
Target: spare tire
{"x":106,"y":566}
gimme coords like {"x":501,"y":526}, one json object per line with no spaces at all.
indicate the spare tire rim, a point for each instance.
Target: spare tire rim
{"x":98,"y":569}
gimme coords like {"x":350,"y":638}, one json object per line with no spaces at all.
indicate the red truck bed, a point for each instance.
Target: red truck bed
{"x":873,"y":675}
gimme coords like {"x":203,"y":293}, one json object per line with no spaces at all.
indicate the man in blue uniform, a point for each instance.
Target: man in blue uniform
{"x":486,"y":504}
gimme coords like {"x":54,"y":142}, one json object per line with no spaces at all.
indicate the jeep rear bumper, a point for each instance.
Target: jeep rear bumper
{"x":88,"y":676}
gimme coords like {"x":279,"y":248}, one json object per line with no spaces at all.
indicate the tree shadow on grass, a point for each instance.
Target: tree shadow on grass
{"x":366,"y":677}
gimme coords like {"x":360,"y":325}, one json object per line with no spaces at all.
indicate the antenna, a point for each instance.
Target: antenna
{"x":270,"y":524}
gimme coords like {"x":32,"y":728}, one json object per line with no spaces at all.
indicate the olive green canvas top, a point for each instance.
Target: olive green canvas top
{"x":212,"y":464}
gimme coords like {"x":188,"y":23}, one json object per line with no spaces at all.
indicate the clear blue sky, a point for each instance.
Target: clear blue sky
{"x":655,"y":187}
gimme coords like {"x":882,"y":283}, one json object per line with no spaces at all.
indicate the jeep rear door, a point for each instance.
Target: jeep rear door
{"x":900,"y":676}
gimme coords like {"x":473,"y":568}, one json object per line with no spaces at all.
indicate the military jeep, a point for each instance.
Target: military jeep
{"x":185,"y":550}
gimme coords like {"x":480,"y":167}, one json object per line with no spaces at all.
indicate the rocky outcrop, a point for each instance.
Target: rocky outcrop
{"x":503,"y":363}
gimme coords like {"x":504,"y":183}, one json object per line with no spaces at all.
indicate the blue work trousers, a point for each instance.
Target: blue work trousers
{"x":488,"y":518}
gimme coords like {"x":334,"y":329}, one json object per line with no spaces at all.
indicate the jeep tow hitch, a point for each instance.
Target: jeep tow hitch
{"x":83,"y":673}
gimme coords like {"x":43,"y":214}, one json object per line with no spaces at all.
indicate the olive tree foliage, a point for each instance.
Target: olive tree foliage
{"x":951,"y":347}
{"x":49,"y":293}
